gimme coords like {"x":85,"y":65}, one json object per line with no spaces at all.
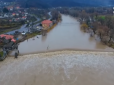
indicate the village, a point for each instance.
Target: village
{"x":18,"y":24}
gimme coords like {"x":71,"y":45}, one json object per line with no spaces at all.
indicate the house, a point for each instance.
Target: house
{"x":17,"y":7}
{"x":10,"y":8}
{"x":6,"y":15}
{"x":13,"y":14}
{"x":24,"y":17}
{"x":46,"y":24}
{"x":10,"y":20}
{"x":7,"y":38}
{"x":1,"y":17}
{"x":17,"y":14}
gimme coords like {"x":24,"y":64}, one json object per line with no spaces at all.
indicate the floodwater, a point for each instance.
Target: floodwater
{"x":66,"y":35}
{"x":59,"y":68}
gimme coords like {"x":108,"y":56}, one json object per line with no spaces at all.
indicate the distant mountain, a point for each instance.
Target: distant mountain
{"x":63,"y":3}
{"x":67,"y":3}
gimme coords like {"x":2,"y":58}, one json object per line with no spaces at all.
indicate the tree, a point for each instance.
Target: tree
{"x":5,"y":10}
{"x":84,"y":26}
{"x":22,"y":22}
{"x":100,"y":32}
{"x":108,"y":21}
{"x":55,"y":15}
{"x":83,"y":15}
{"x":111,"y":34}
{"x":103,"y":32}
{"x":102,"y":20}
{"x":94,"y":27}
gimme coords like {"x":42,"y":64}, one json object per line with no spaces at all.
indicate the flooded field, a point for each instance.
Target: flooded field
{"x":66,"y":35}
{"x":59,"y":68}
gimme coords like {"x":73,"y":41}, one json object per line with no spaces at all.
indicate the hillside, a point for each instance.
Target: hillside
{"x":68,"y":3}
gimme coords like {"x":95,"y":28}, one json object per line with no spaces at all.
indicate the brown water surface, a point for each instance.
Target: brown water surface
{"x":59,"y":68}
{"x":66,"y":35}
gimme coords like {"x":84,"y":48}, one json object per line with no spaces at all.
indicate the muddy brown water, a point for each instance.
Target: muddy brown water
{"x":66,"y":35}
{"x":60,"y":67}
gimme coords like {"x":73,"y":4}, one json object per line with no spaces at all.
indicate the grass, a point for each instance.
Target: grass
{"x":8,"y":30}
{"x":33,"y":34}
{"x":51,"y":28}
{"x":111,"y":44}
{"x":1,"y":53}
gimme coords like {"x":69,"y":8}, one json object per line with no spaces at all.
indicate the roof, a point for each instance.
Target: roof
{"x":13,"y":40}
{"x":46,"y":22}
{"x":7,"y":36}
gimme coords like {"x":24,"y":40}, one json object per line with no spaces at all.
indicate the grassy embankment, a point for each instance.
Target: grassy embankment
{"x":33,"y":34}
{"x":1,"y":54}
{"x":8,"y":30}
{"x":51,"y":28}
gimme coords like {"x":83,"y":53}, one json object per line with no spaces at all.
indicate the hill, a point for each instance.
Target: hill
{"x":63,"y":3}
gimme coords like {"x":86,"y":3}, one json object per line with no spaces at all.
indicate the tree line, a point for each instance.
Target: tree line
{"x":97,"y":21}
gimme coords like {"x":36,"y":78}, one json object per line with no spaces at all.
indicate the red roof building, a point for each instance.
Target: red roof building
{"x":13,"y":14}
{"x":46,"y":24}
{"x":8,"y":37}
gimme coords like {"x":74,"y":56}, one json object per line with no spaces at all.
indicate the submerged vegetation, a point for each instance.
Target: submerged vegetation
{"x":30,"y":35}
{"x":1,"y":53}
{"x":98,"y":21}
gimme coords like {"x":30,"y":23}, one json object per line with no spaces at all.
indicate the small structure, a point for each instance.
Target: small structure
{"x":23,"y":33}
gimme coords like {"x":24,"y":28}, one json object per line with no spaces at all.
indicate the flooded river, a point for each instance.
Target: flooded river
{"x":65,"y":67}
{"x":66,"y":35}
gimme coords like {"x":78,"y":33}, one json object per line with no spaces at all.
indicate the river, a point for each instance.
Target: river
{"x":66,"y":35}
{"x":59,"y":68}
{"x":66,"y":67}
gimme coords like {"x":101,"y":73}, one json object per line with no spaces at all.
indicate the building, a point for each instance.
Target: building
{"x":8,"y":37}
{"x":13,"y":14}
{"x":10,"y":8}
{"x":46,"y":24}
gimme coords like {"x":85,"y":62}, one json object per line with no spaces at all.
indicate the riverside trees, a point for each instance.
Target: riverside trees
{"x":99,"y":20}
